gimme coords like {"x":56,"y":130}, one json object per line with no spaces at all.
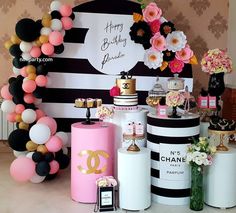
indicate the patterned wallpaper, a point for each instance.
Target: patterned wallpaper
{"x":205,"y":22}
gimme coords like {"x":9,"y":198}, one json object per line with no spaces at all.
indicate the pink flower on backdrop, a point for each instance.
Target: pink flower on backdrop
{"x":115,"y":91}
{"x":151,"y":12}
{"x":155,"y":26}
{"x":158,"y":42}
{"x":185,"y":54}
{"x":176,"y":66}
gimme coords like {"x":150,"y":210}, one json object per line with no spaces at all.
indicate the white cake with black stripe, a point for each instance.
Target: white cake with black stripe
{"x":126,"y":100}
{"x":168,"y":140}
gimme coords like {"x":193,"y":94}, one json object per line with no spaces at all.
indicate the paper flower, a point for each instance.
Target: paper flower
{"x":216,"y":61}
{"x":151,"y":12}
{"x":153,"y":59}
{"x":168,"y":55}
{"x":106,"y":181}
{"x":104,"y":112}
{"x":185,"y":54}
{"x":176,"y":41}
{"x":200,"y":152}
{"x":115,"y":91}
{"x":158,"y":42}
{"x":174,"y":98}
{"x":155,"y":26}
{"x":166,"y":28}
{"x":141,"y":33}
{"x":176,"y":66}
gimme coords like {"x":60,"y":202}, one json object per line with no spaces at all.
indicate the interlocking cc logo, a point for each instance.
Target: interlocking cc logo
{"x":125,"y":86}
{"x":93,"y":161}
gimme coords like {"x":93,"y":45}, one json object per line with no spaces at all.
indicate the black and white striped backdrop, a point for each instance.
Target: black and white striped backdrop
{"x":72,"y":75}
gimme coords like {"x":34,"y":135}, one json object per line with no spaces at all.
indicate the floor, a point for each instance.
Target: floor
{"x":54,"y":196}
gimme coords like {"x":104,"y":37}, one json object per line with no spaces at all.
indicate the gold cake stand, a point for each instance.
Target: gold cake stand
{"x":221,"y":133}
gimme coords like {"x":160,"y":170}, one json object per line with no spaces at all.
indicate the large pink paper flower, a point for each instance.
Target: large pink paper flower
{"x":176,"y":66}
{"x":185,"y":54}
{"x":158,"y":42}
{"x":155,"y":26}
{"x":151,"y":12}
{"x":115,"y":91}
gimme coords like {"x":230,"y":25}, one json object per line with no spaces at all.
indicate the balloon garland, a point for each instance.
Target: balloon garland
{"x":40,"y":150}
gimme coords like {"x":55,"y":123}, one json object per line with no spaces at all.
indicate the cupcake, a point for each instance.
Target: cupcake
{"x":98,"y":102}
{"x":80,"y":102}
{"x":90,"y":102}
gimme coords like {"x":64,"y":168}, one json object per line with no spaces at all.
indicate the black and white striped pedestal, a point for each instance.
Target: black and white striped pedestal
{"x":168,"y":140}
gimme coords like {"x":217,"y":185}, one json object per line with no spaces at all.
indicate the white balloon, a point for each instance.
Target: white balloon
{"x":8,"y":106}
{"x":38,"y":101}
{"x":37,"y":179}
{"x":16,"y":71}
{"x":65,"y":150}
{"x":25,"y":46}
{"x":26,"y":56}
{"x":29,"y":116}
{"x":18,"y":154}
{"x":56,"y":24}
{"x":55,"y":5}
{"x":45,"y":31}
{"x":29,"y":155}
{"x":40,"y":133}
{"x":64,"y":137}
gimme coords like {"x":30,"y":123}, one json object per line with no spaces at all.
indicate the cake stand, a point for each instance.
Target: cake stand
{"x":88,"y":115}
{"x":222,"y":133}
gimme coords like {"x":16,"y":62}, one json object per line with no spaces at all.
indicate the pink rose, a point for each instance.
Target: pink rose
{"x":155,"y":26}
{"x":151,"y":12}
{"x":115,"y":91}
{"x":158,"y":42}
{"x":176,"y":66}
{"x":185,"y":54}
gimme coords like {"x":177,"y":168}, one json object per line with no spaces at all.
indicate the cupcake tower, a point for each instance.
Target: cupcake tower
{"x":88,"y":102}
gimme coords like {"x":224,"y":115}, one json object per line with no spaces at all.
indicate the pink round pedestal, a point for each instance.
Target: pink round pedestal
{"x":92,"y":150}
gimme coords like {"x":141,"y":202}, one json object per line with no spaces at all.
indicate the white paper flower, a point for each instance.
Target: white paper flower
{"x":153,"y":59}
{"x":176,"y":41}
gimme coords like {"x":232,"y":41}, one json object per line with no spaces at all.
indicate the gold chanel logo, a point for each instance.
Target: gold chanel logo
{"x":125,"y":86}
{"x":93,"y":161}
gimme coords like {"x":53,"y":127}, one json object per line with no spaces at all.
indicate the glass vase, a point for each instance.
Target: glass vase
{"x":196,"y":194}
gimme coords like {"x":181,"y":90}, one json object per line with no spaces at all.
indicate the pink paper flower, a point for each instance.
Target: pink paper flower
{"x":176,"y":66}
{"x":158,"y":42}
{"x":155,"y":26}
{"x":115,"y":91}
{"x":151,"y":12}
{"x":185,"y":54}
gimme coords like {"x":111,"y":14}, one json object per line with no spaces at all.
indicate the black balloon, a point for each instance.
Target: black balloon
{"x":18,"y":100}
{"x":39,"y":92}
{"x":59,"y":49}
{"x":10,"y":80}
{"x":19,"y":62}
{"x":42,"y":168}
{"x":42,"y":69}
{"x":30,"y":106}
{"x":37,"y":157}
{"x":27,"y":30}
{"x":39,"y":24}
{"x":49,"y":156}
{"x":56,"y":14}
{"x":18,"y":138}
{"x":51,"y":177}
{"x":15,"y":88}
{"x":15,"y":50}
{"x":63,"y":161}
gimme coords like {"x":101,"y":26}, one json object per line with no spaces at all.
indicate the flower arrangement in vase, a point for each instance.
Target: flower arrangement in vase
{"x":174,"y":99}
{"x":103,"y":113}
{"x":198,"y":155}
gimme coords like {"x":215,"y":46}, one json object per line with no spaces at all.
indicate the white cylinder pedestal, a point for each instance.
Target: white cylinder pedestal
{"x":204,"y":129}
{"x":134,"y":179}
{"x":220,"y":180}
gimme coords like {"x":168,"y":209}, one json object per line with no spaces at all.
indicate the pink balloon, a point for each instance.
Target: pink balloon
{"x":41,"y":80}
{"x":29,"y":98}
{"x":39,"y":114}
{"x":54,"y":167}
{"x":5,"y":92}
{"x":35,"y":52}
{"x":22,"y":169}
{"x":19,"y":108}
{"x":55,"y":38}
{"x":65,"y":10}
{"x":11,"y":117}
{"x":54,"y":144}
{"x":47,"y":49}
{"x":67,"y":23}
{"x":23,"y":71}
{"x":29,"y":86}
{"x":50,"y":122}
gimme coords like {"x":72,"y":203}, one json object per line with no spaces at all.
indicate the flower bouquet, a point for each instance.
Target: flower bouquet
{"x":104,"y":112}
{"x":174,"y":99}
{"x":199,"y":154}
